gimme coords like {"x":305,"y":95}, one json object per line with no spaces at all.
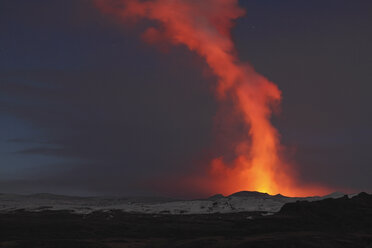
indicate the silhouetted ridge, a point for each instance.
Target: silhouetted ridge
{"x":344,"y":211}
{"x":249,"y":194}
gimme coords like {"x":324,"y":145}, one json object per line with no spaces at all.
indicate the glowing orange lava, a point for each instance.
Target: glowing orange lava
{"x":204,"y":27}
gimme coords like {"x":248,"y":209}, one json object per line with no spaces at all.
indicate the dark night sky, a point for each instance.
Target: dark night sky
{"x":86,"y":107}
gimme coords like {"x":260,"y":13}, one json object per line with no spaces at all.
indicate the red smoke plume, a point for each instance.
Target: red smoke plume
{"x":204,"y":27}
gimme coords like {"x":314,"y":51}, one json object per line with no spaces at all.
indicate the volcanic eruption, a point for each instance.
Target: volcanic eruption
{"x":204,"y":28}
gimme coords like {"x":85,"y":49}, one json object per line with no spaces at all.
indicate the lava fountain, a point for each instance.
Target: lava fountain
{"x":204,"y":28}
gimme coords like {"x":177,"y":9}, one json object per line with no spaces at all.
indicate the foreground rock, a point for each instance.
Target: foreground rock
{"x":343,"y":222}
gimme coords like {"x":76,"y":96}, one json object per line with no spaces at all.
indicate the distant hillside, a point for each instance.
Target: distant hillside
{"x":244,"y":201}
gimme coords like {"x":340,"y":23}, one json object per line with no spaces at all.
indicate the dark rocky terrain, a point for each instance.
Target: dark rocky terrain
{"x":341,"y":222}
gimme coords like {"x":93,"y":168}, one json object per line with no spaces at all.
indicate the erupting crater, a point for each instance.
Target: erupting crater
{"x":204,"y":28}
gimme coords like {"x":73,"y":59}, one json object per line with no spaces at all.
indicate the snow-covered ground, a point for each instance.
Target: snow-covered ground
{"x":238,"y":202}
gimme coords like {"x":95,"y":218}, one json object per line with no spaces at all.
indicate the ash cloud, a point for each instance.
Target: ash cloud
{"x":62,"y":75}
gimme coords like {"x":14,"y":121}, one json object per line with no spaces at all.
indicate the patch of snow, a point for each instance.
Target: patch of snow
{"x":239,"y":202}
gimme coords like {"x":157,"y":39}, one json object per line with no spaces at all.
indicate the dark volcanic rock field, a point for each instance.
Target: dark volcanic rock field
{"x":339,"y":222}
